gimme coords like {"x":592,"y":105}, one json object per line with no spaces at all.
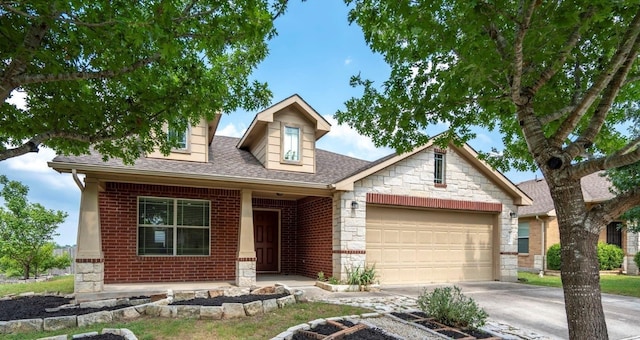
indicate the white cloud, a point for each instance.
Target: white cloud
{"x":18,"y":98}
{"x":348,"y":61}
{"x":346,"y":140}
{"x":230,"y":130}
{"x":35,"y":165}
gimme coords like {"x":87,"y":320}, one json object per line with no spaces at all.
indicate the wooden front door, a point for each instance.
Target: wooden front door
{"x":265,"y":229}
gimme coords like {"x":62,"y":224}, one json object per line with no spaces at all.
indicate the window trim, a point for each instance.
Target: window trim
{"x":174,"y":227}
{"x":442,"y":181}
{"x":528,"y":238}
{"x":187,"y":140}
{"x":282,"y":138}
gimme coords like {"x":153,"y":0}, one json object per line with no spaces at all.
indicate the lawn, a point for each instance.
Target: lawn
{"x":612,"y":284}
{"x":257,"y":327}
{"x":61,"y":284}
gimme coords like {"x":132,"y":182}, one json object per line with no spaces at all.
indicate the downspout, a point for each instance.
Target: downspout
{"x":542,"y":244}
{"x":74,"y":173}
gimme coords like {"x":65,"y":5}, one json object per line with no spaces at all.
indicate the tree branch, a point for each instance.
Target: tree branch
{"x":609,"y":210}
{"x":563,"y":53}
{"x":628,"y":155}
{"x":628,"y":42}
{"x":544,"y":120}
{"x":585,"y":140}
{"x":518,"y":62}
{"x":498,"y":38}
{"x":44,"y":78}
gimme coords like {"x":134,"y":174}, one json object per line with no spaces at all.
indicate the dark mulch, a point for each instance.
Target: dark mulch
{"x":363,"y":334}
{"x":107,"y":336}
{"x":219,"y":300}
{"x":34,"y":307}
{"x":429,"y":324}
{"x":478,"y":334}
{"x":452,"y":334}
{"x":404,"y":316}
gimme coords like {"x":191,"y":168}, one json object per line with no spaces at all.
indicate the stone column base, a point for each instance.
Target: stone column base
{"x":343,"y":259}
{"x":246,"y":272}
{"x":89,"y":277}
{"x":508,"y":267}
{"x":630,"y":266}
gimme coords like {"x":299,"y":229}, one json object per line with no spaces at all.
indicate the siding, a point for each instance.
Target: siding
{"x":274,"y":146}
{"x":197,"y":150}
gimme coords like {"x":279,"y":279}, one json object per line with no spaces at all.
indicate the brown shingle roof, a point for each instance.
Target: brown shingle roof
{"x":595,"y":188}
{"x":227,"y":160}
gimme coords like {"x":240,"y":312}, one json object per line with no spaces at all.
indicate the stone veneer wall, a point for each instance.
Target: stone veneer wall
{"x":118,"y":216}
{"x":89,"y":276}
{"x":413,"y":176}
{"x":632,"y":247}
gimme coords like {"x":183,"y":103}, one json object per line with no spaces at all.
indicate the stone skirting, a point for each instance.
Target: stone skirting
{"x":246,"y":273}
{"x":89,"y":277}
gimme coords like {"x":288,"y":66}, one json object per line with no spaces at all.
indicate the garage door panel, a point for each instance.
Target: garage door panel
{"x":420,"y":246}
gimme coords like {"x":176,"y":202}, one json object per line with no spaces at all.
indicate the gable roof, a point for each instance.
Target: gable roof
{"x":226,"y":163}
{"x":519,"y":197}
{"x":595,"y":188}
{"x":265,"y":117}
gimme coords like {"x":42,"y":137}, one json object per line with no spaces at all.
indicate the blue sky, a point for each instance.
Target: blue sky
{"x":314,"y":55}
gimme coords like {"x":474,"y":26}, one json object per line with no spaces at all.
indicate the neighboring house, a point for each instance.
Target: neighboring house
{"x":228,"y":209}
{"x":538,"y":226}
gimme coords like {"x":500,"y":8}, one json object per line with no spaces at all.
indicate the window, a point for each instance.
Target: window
{"x":179,"y":136}
{"x":168,"y":226}
{"x":523,"y":238}
{"x":291,"y":144}
{"x":614,"y":233}
{"x":438,"y":168}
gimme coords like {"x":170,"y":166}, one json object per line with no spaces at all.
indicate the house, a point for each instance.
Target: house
{"x":228,"y":209}
{"x":538,"y":226}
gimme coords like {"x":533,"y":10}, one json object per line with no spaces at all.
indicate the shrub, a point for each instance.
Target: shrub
{"x":636,"y":259}
{"x":321,"y":276}
{"x":609,"y":256}
{"x":553,"y":257}
{"x":449,"y":306}
{"x":361,"y":276}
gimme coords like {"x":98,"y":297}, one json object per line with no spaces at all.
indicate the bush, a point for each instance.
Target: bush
{"x":553,"y":257}
{"x":449,"y":306}
{"x":636,"y":259}
{"x":361,"y":276}
{"x":609,"y":256}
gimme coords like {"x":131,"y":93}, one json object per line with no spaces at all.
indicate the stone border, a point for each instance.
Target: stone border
{"x":127,"y":334}
{"x":288,"y":334}
{"x":161,"y":308}
{"x":347,"y":288}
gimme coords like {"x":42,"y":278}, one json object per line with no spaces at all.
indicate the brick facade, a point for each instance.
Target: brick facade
{"x":314,"y":236}
{"x":118,"y":216}
{"x":288,"y":230}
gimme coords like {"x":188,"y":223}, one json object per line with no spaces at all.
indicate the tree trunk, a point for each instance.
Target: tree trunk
{"x":579,"y":268}
{"x":26,"y":271}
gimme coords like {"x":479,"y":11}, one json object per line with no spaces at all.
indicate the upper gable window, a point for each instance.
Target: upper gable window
{"x":181,"y":136}
{"x":439,"y":168}
{"x":291,"y":144}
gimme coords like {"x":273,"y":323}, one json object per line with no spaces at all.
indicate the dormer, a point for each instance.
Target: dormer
{"x":193,"y":143}
{"x":283,"y":137}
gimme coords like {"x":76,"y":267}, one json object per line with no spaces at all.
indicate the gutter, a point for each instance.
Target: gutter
{"x":74,"y":167}
{"x":74,"y":173}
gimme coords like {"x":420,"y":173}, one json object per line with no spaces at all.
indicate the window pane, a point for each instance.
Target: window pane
{"x":523,"y":230}
{"x":155,"y":211}
{"x":179,"y":136}
{"x":291,"y":144}
{"x":155,"y":241}
{"x":193,"y":213}
{"x":193,"y":241}
{"x":438,"y":169}
{"x":523,"y":245}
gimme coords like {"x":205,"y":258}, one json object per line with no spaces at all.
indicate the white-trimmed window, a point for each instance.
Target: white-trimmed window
{"x":291,"y":144}
{"x":171,"y":226}
{"x":523,"y":238}
{"x":439,"y":168}
{"x":180,"y":136}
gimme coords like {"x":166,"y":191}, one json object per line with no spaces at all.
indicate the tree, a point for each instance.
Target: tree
{"x":624,"y":179}
{"x":43,"y":261}
{"x":25,"y":228}
{"x":554,"y":77}
{"x":112,"y":74}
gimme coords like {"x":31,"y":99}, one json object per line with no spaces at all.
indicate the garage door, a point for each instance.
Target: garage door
{"x":421,"y":246}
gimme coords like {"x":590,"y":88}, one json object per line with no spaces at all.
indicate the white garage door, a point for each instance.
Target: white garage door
{"x":421,"y":246}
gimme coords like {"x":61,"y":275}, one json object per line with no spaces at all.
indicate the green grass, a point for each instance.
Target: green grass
{"x":611,"y":284}
{"x":62,"y":284}
{"x":257,"y":327}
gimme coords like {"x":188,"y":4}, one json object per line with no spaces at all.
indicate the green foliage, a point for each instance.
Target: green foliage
{"x":114,"y":73}
{"x":321,"y":276}
{"x":449,"y":306}
{"x":63,"y":284}
{"x":25,"y":228}
{"x":625,"y":179}
{"x":332,"y":280}
{"x":42,"y":262}
{"x":636,"y":259}
{"x":553,"y":257}
{"x":361,"y":276}
{"x":610,"y":256}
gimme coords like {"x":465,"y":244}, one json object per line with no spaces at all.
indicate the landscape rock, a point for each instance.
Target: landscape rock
{"x":60,"y":322}
{"x":211,"y":312}
{"x":236,"y":291}
{"x":216,"y":292}
{"x":264,"y":290}
{"x":84,"y":335}
{"x":152,"y":310}
{"x":26,"y":325}
{"x":98,"y":304}
{"x":269,"y":305}
{"x":285,"y":301}
{"x":280,"y":289}
{"x":253,"y":308}
{"x":232,"y":310}
{"x":168,"y":311}
{"x":3,"y":326}
{"x":300,"y":296}
{"x":188,"y":311}
{"x":157,"y":297}
{"x":202,"y":294}
{"x":55,"y":337}
{"x":184,"y":295}
{"x":125,"y":314}
{"x":93,"y":318}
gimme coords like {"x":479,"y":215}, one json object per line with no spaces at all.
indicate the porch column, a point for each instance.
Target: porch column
{"x":89,"y":266}
{"x":632,"y":247}
{"x":246,"y":262}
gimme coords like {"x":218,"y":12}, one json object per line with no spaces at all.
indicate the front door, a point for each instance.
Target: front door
{"x":265,"y":229}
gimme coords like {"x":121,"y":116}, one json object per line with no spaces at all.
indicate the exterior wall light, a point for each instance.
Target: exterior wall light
{"x":354,"y":205}
{"x":513,"y":214}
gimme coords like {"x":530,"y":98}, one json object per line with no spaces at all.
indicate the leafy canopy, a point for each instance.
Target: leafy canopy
{"x":113,"y":73}
{"x":25,"y":228}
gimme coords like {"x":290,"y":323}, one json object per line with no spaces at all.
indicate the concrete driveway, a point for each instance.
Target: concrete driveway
{"x":539,"y":309}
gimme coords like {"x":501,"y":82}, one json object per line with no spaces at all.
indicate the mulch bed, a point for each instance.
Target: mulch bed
{"x":343,"y":330}
{"x":424,"y":320}
{"x":219,"y":300}
{"x":107,"y":336}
